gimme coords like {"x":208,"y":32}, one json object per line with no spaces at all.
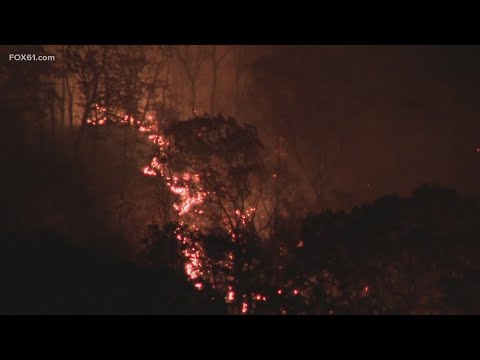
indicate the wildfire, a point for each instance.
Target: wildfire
{"x":190,"y":196}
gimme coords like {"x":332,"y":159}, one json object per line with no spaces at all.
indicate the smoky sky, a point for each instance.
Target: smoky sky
{"x":410,"y":112}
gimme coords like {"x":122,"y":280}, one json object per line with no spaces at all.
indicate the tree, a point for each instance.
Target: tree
{"x":191,"y":59}
{"x":281,"y":93}
{"x":216,"y":61}
{"x":217,"y":168}
{"x":87,"y":63}
{"x":27,"y":95}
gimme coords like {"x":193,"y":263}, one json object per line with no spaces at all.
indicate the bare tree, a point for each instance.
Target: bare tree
{"x":87,"y":63}
{"x":191,"y":58}
{"x":216,"y":61}
{"x":224,"y":163}
{"x":318,"y":159}
{"x":64,"y":89}
{"x":239,"y":72}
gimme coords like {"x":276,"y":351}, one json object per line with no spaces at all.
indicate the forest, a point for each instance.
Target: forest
{"x":239,"y":179}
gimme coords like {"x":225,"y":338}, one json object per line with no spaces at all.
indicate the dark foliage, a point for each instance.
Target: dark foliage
{"x":397,"y":255}
{"x":44,"y":274}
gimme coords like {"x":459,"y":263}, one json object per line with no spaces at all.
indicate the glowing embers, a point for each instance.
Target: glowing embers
{"x":199,"y":286}
{"x":100,"y":108}
{"x":240,"y":221}
{"x":94,"y":122}
{"x":148,"y":128}
{"x":187,"y":188}
{"x":100,"y":116}
{"x":230,"y":295}
{"x":153,"y":169}
{"x":192,"y":253}
{"x":148,"y":171}
{"x":155,"y":164}
{"x":158,"y":140}
{"x":259,"y":297}
{"x":188,"y":202}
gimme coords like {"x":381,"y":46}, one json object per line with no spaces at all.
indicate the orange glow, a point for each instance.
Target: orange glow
{"x":230,"y":296}
{"x":190,"y":195}
{"x":199,"y":286}
{"x":147,"y":170}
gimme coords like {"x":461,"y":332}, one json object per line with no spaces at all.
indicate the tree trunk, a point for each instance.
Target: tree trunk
{"x":193,"y":93}
{"x":70,"y":101}
{"x":52,"y":111}
{"x":78,"y":139}
{"x":124,"y":174}
{"x":237,"y":81}
{"x":63,"y":104}
{"x":214,"y":80}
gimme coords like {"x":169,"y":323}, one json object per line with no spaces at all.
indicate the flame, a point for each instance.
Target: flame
{"x":199,"y":286}
{"x":187,"y":186}
{"x":147,"y":170}
{"x":230,"y":296}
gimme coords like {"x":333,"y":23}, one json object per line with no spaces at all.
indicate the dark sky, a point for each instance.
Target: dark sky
{"x":411,"y":112}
